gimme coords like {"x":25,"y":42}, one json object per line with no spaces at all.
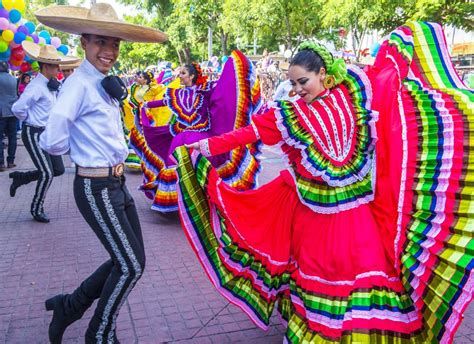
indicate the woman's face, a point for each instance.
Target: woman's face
{"x":140,"y":79}
{"x":27,"y":80}
{"x":307,"y":84}
{"x":185,"y":77}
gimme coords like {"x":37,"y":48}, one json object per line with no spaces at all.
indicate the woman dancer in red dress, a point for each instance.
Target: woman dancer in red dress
{"x":366,"y":236}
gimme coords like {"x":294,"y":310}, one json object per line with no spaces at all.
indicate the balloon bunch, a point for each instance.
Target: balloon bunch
{"x":14,"y":30}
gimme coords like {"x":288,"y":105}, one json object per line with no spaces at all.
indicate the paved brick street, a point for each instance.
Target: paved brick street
{"x":173,"y":302}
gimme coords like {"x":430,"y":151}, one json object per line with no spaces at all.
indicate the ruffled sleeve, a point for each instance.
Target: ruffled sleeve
{"x":263,"y":127}
{"x":155,"y":103}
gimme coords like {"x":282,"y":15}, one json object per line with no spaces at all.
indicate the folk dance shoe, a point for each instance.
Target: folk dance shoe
{"x":61,"y":320}
{"x":41,"y":217}
{"x":16,"y":182}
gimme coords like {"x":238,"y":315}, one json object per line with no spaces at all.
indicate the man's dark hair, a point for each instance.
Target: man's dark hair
{"x":4,"y":68}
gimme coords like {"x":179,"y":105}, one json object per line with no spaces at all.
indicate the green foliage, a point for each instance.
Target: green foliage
{"x":459,"y":13}
{"x":140,"y":55}
{"x":238,"y":23}
{"x":33,"y":5}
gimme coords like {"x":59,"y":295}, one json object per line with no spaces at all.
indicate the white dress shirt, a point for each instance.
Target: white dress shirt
{"x":86,"y":121}
{"x":34,"y":105}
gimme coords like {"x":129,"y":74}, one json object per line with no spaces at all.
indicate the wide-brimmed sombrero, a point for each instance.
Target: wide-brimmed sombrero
{"x":70,"y":66}
{"x":101,"y":19}
{"x":47,"y":54}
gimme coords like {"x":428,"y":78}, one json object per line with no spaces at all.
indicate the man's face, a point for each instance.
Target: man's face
{"x":101,"y":51}
{"x":67,"y":72}
{"x":50,"y":70}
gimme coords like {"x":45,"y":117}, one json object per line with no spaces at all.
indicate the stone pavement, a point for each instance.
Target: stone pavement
{"x":174,"y":302}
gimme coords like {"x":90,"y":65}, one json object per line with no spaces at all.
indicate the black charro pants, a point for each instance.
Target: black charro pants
{"x":107,"y":206}
{"x":47,"y":167}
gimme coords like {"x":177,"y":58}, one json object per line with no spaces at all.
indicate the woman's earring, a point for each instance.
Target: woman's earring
{"x":329,"y":82}
{"x":292,"y":93}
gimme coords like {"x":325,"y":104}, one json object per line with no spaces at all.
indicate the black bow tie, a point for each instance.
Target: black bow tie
{"x":115,"y":87}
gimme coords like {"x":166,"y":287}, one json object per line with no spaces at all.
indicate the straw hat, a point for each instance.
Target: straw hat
{"x":101,"y":20}
{"x":70,"y":66}
{"x":46,"y":54}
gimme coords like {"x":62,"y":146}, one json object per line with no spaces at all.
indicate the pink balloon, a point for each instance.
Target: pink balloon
{"x":3,"y":23}
{"x":14,"y":45}
{"x":12,"y":27}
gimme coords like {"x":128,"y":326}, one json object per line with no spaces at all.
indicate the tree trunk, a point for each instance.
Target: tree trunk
{"x":224,"y":38}
{"x":187,"y":55}
{"x":355,"y":42}
{"x":180,"y":57}
{"x":288,"y":29}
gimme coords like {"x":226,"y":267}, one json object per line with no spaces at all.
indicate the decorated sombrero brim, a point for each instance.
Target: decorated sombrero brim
{"x":70,"y":66}
{"x":101,"y":19}
{"x":47,"y":54}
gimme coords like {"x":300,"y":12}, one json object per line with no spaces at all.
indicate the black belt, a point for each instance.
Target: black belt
{"x":33,"y":126}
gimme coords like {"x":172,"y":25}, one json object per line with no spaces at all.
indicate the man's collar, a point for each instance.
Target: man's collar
{"x":91,"y":69}
{"x":42,"y":77}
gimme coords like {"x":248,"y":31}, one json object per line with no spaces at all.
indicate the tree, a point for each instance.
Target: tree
{"x":198,"y":16}
{"x":275,"y":22}
{"x":392,"y":14}
{"x":141,"y":55}
{"x":34,"y":5}
{"x":459,"y":13}
{"x":357,"y":16}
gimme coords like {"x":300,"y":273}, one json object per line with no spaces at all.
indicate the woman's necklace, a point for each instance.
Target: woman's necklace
{"x":322,"y":95}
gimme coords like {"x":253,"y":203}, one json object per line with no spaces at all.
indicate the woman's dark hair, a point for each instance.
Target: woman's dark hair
{"x":192,"y":71}
{"x":23,"y":77}
{"x":309,"y":60}
{"x":147,"y":76}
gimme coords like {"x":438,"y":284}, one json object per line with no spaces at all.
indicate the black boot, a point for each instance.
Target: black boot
{"x":67,"y":308}
{"x":16,"y":183}
{"x":71,"y":307}
{"x":60,"y":320}
{"x":41,"y":217}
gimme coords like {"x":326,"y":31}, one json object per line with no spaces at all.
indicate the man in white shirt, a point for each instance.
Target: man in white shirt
{"x":284,"y":91}
{"x":67,"y":70}
{"x":87,"y":123}
{"x":33,"y":108}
